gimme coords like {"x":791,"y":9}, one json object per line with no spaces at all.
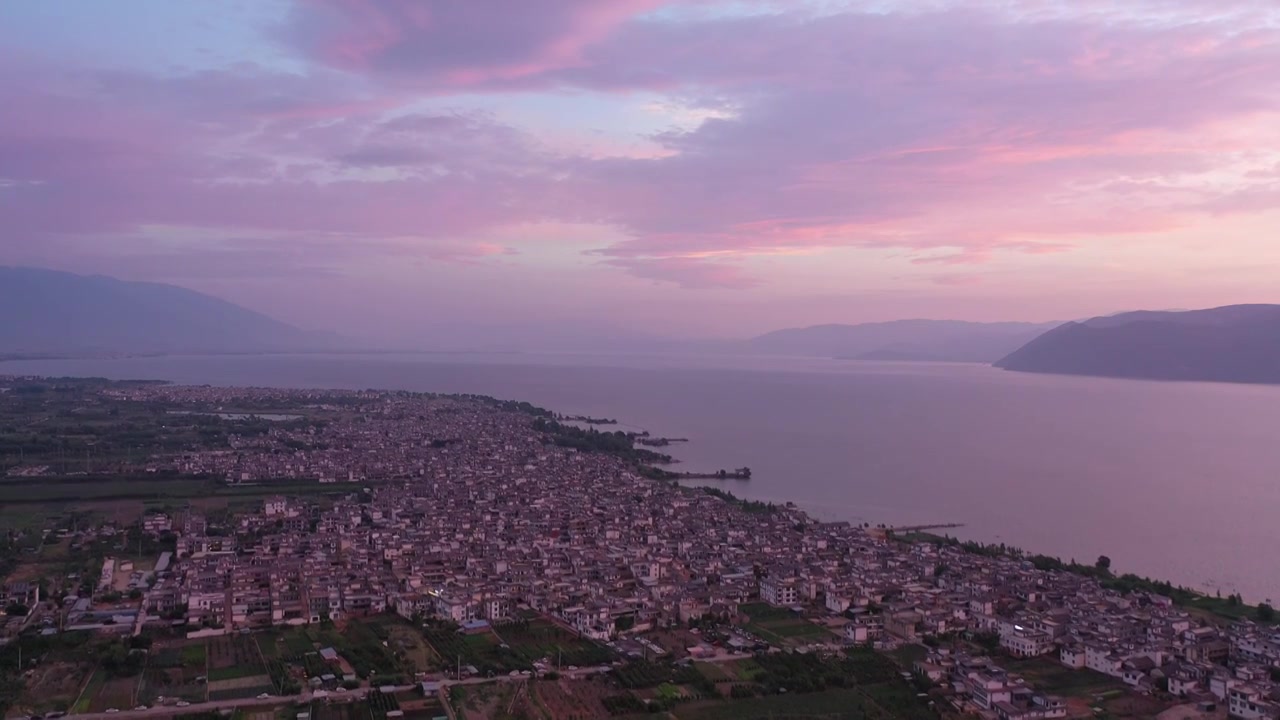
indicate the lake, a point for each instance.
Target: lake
{"x":1179,"y":481}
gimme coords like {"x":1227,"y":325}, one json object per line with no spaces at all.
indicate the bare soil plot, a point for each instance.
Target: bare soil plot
{"x":573,"y":699}
{"x":53,"y":686}
{"x":1133,"y":705}
{"x":240,"y":683}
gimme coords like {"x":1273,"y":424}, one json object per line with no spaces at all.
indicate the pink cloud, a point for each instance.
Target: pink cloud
{"x":951,"y":136}
{"x":915,"y":131}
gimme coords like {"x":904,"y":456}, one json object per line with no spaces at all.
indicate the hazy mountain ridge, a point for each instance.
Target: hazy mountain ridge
{"x":1235,"y":343}
{"x":919,"y":340}
{"x":47,"y":311}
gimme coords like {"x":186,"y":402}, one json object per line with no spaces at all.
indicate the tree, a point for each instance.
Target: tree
{"x":1266,"y":613}
{"x":1103,"y":563}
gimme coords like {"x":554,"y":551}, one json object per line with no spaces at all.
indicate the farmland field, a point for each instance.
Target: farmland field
{"x":748,"y":669}
{"x":417,"y":707}
{"x":1058,"y":679}
{"x":232,"y":656}
{"x":405,"y":640}
{"x":831,"y":705}
{"x":287,"y":644}
{"x":224,"y":695}
{"x":236,"y":669}
{"x":573,"y":698}
{"x":645,"y":674}
{"x":115,"y":693}
{"x":359,"y":644}
{"x":90,"y":690}
{"x":780,"y":626}
{"x":715,"y":672}
{"x":539,"y":638}
{"x":340,"y":711}
{"x":172,"y":670}
{"x":482,"y":650}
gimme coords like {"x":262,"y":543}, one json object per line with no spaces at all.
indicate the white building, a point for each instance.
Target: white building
{"x":1026,"y":643}
{"x":1073,"y":657}
{"x":1249,"y":703}
{"x":1101,"y":659}
{"x":779,"y":591}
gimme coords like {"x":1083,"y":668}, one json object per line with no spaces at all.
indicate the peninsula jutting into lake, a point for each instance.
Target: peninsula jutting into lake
{"x":493,"y":553}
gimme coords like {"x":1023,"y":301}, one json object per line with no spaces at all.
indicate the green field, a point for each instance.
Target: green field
{"x":194,"y":654}
{"x":910,"y":654}
{"x":405,"y":641}
{"x":747,"y":669}
{"x":538,"y":638}
{"x":360,"y":643}
{"x":1057,"y":679}
{"x":172,"y":670}
{"x":481,"y":650}
{"x":72,"y":425}
{"x":232,"y":673}
{"x":780,"y":626}
{"x":713,"y":671}
{"x":90,"y":690}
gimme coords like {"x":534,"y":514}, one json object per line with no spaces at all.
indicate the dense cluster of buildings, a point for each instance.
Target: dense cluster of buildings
{"x":468,"y":513}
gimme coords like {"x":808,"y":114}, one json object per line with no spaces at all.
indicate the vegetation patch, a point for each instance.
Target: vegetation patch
{"x":538,"y":638}
{"x":1057,"y":679}
{"x":648,"y":674}
{"x":848,"y":704}
{"x":780,"y":626}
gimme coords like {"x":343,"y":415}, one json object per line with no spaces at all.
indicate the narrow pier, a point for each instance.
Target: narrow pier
{"x":923,"y":528}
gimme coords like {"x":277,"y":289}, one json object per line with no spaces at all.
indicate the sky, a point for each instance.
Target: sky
{"x":408,"y":170}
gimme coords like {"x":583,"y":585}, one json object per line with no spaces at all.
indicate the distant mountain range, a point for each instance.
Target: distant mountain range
{"x":50,"y":312}
{"x":1237,"y":343}
{"x":917,"y":340}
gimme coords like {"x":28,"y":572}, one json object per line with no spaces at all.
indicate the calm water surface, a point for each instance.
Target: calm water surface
{"x":1177,"y":481}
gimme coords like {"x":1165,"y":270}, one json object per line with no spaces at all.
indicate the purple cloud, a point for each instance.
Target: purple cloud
{"x":446,"y":43}
{"x":955,"y":137}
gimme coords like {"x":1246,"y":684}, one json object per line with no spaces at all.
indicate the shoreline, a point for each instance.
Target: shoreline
{"x":1182,"y":561}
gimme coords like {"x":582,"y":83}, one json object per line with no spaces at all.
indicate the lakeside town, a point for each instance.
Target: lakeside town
{"x":415,"y":552}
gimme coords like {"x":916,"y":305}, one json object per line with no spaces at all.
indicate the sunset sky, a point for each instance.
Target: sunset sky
{"x":407,"y":168}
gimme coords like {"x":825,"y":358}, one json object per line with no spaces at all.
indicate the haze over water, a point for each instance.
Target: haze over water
{"x":1177,"y":481}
